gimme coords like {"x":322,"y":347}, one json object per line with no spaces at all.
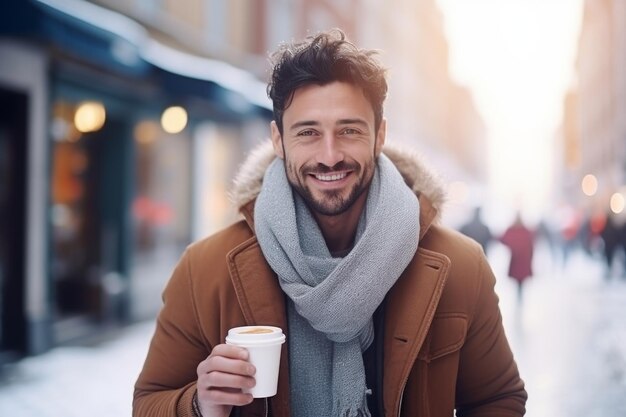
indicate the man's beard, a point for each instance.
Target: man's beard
{"x":333,"y":203}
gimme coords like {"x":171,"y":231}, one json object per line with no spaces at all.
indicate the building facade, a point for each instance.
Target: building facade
{"x":124,"y":122}
{"x":601,"y":100}
{"x":117,"y":149}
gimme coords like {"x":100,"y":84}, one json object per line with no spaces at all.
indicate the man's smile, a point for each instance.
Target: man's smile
{"x":330,"y":177}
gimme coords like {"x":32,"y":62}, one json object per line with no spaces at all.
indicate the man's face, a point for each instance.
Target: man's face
{"x":329,"y":145}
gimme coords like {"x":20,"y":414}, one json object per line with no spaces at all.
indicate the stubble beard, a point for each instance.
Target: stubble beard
{"x":332,"y":203}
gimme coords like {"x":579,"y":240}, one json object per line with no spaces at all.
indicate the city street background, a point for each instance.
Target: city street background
{"x":123,"y":124}
{"x":568,"y":336}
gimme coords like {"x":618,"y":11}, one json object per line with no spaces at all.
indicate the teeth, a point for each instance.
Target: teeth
{"x":333,"y":177}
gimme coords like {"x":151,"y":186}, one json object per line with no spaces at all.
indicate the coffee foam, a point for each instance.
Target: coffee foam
{"x":257,"y":330}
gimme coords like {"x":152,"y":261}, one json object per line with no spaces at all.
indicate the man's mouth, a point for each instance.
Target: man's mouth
{"x":330,"y":177}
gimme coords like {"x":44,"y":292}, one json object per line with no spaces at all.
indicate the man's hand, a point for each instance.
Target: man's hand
{"x":221,"y":378}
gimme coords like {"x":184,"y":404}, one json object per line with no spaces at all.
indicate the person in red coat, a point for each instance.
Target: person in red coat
{"x":520,"y":241}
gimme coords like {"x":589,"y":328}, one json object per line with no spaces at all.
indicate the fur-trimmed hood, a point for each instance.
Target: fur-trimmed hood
{"x":422,"y":180}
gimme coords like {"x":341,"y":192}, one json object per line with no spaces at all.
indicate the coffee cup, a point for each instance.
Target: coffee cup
{"x":263,"y":344}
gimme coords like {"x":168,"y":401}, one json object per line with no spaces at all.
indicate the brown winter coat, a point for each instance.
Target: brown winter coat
{"x":444,"y":345}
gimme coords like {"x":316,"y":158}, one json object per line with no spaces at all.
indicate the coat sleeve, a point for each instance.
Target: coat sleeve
{"x":488,"y":383}
{"x":167,"y":382}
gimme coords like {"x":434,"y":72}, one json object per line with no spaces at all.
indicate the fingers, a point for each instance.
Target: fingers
{"x":223,"y":376}
{"x":225,"y":397}
{"x":228,"y":359}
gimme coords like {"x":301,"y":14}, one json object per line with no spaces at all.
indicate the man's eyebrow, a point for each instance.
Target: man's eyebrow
{"x":340,"y":122}
{"x":303,"y":123}
{"x":355,"y":121}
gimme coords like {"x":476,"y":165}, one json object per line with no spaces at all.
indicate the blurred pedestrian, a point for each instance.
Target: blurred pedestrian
{"x":477,"y":229}
{"x":569,"y":220}
{"x":622,"y":240}
{"x":328,"y":251}
{"x":520,"y":241}
{"x":546,"y":235}
{"x":612,"y":239}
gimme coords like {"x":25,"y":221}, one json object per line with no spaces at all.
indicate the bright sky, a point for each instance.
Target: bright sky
{"x":517,"y":56}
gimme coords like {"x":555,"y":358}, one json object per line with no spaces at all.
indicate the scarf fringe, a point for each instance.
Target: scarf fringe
{"x":353,"y":411}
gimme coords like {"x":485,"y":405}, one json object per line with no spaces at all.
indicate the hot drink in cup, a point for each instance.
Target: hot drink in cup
{"x":263,"y":344}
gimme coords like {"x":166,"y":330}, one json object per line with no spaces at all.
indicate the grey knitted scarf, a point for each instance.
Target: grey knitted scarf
{"x":332,"y":300}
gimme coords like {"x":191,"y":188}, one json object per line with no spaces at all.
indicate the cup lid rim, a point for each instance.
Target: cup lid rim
{"x":235,"y":335}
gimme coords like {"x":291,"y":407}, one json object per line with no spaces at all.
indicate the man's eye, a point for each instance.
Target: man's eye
{"x":306,"y":133}
{"x":350,"y":131}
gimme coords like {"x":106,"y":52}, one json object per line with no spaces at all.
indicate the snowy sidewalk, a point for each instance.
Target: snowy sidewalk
{"x":568,"y":336}
{"x":77,"y":381}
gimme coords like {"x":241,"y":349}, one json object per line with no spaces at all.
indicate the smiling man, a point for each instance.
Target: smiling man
{"x":386,"y":312}
{"x":329,"y":147}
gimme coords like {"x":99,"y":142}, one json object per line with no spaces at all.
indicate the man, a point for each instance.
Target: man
{"x":478,"y":230}
{"x":521,"y":243}
{"x":386,"y":312}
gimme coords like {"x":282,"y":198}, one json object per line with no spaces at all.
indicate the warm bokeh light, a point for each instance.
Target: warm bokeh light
{"x":89,"y":116}
{"x":589,"y":185}
{"x":146,"y":132}
{"x":174,"y":119}
{"x":617,"y":203}
{"x":518,"y":58}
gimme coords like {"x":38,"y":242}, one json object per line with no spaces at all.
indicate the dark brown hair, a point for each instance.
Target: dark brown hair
{"x":322,"y":59}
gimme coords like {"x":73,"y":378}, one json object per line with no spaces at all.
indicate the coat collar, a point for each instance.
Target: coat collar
{"x":422,"y":180}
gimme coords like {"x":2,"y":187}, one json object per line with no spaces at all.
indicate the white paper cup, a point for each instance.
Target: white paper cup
{"x":264,"y":344}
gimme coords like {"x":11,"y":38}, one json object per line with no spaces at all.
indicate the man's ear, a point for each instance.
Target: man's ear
{"x":277,"y":140}
{"x":381,"y":135}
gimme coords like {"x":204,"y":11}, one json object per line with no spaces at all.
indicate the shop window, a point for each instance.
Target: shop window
{"x":160,"y":210}
{"x":87,"y":212}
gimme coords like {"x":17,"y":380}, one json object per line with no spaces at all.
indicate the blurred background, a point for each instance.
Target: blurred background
{"x":122,"y":124}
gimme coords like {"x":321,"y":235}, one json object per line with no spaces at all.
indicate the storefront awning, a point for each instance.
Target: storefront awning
{"x":119,"y":43}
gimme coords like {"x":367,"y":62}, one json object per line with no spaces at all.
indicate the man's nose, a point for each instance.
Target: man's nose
{"x":330,"y":152}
